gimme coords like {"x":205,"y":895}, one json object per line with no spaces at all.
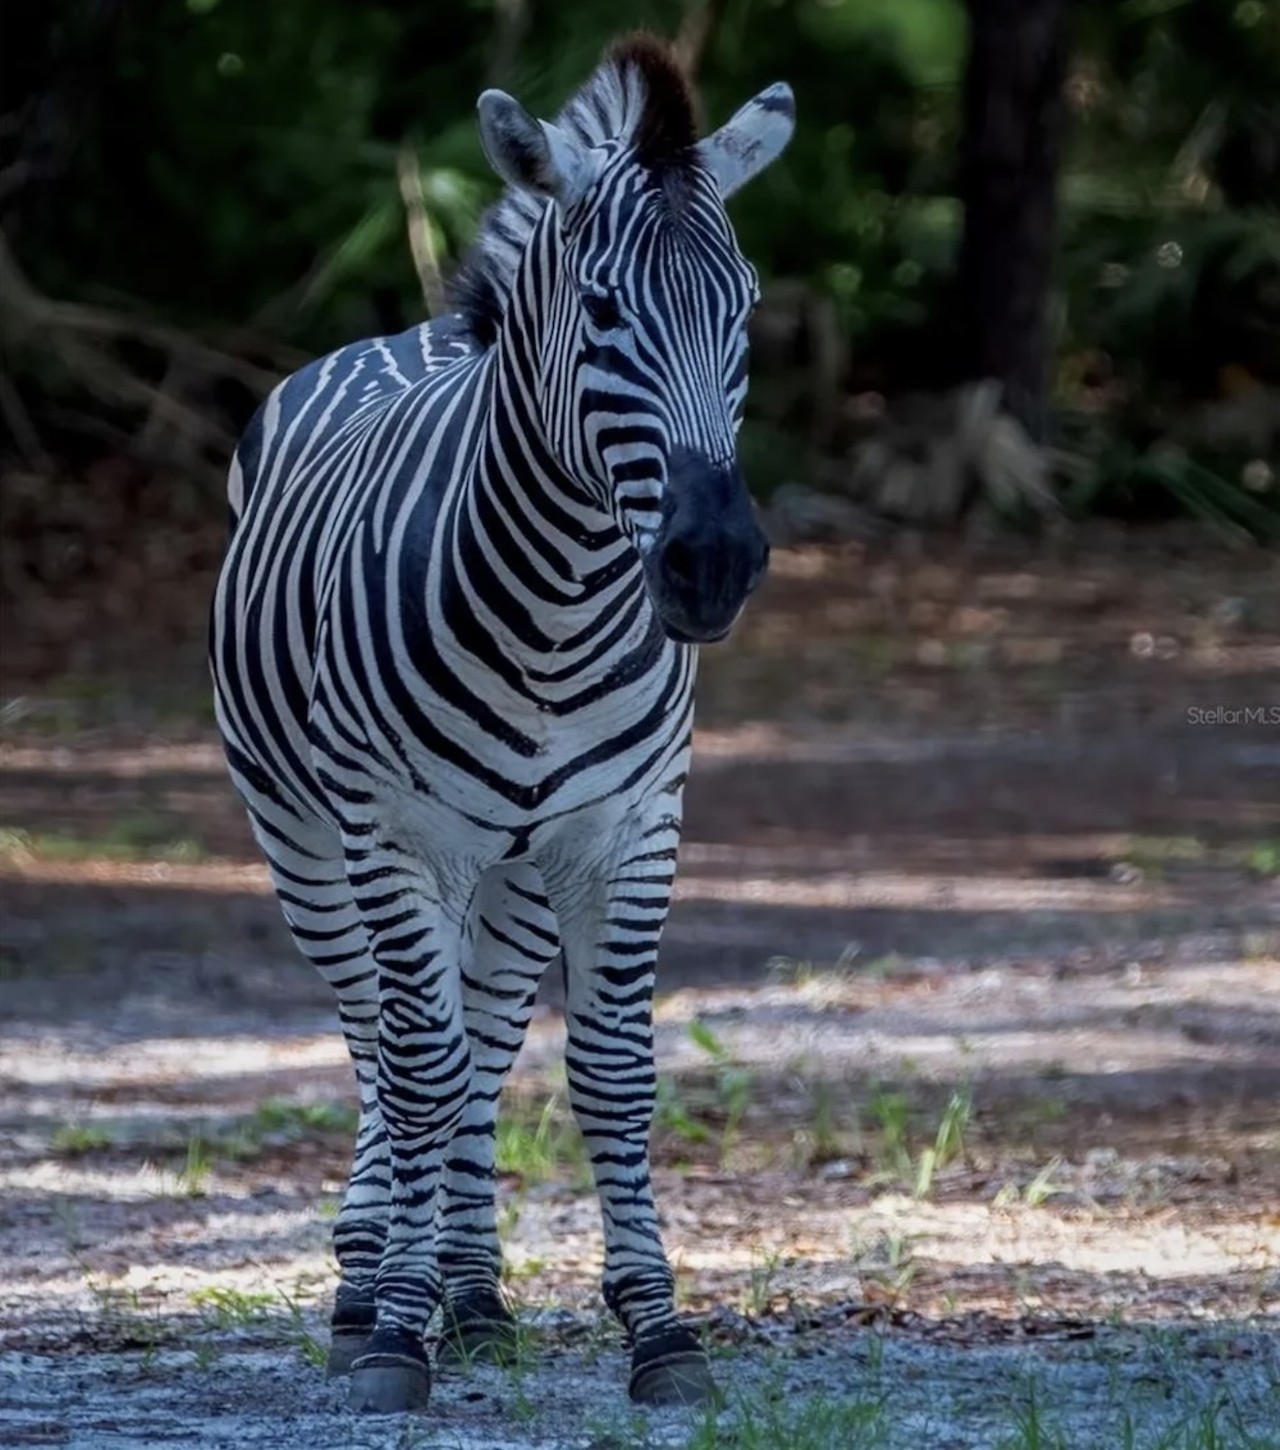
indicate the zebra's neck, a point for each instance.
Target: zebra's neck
{"x":569,"y":584}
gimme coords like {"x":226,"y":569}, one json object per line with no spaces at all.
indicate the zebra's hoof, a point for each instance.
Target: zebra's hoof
{"x":354,"y":1316}
{"x":479,"y":1329}
{"x":345,"y":1347}
{"x":391,"y":1375}
{"x":671,"y":1369}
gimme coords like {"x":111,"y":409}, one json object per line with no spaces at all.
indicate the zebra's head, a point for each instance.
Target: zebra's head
{"x":641,"y":370}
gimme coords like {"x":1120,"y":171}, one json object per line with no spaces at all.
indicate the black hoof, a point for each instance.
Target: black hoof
{"x":345,"y":1347}
{"x":354,"y":1315}
{"x":392,"y":1375}
{"x":481,"y":1328}
{"x":671,"y":1368}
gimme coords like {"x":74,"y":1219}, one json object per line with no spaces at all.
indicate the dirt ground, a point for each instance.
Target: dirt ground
{"x":969,"y":1031}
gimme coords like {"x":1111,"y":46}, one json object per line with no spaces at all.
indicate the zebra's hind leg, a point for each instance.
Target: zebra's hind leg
{"x":311,"y":883}
{"x":610,"y":930}
{"x":512,"y":938}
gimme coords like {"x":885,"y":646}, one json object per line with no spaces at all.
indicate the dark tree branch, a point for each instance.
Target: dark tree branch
{"x":697,"y":30}
{"x":1013,"y":116}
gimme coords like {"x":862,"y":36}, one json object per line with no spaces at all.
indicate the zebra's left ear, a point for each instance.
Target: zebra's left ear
{"x":751,"y":139}
{"x":531,"y":154}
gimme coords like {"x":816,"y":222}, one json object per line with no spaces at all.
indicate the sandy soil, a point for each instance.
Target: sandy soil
{"x":958,"y":843}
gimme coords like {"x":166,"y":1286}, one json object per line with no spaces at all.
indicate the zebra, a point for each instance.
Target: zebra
{"x":453,"y":645}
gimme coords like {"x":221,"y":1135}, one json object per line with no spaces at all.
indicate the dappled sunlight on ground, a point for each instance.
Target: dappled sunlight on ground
{"x":968,"y":1032}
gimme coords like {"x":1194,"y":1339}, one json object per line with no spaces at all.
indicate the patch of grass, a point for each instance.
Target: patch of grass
{"x":948,"y":1142}
{"x":72,"y":1140}
{"x":1036,"y":1192}
{"x":51,"y":717}
{"x":891,"y":1113}
{"x":128,"y":1320}
{"x":1042,"y":1187}
{"x":1153,"y":855}
{"x":889,"y":1264}
{"x":137,"y":837}
{"x":192,"y":1152}
{"x":514,"y":1361}
{"x":276,"y":1122}
{"x":300,"y":1120}
{"x":885,"y":968}
{"x":309,"y":1349}
{"x":828,"y":1139}
{"x":824,"y":1138}
{"x":897,"y":1156}
{"x":1034,"y":1428}
{"x":809,"y":978}
{"x":228,"y":1308}
{"x":15,"y":843}
{"x":1217,"y":1425}
{"x":765,"y":1264}
{"x":621,"y":1430}
{"x":1038,"y":1111}
{"x":672,"y":1114}
{"x":203,"y":1357}
{"x":769,"y":1421}
{"x":790,"y":971}
{"x":193,"y":1177}
{"x":508,"y":1218}
{"x":528,"y":1268}
{"x":225,"y":1308}
{"x":537,"y":1147}
{"x":1263,"y":859}
{"x":1034,"y":1409}
{"x":279,"y":1123}
{"x":703,"y":1112}
{"x":733,"y":1084}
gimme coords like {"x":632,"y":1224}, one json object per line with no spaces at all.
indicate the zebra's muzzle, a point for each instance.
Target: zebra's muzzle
{"x":709,"y":553}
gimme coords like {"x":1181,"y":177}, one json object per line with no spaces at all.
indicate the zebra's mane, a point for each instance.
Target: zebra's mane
{"x":639,"y":94}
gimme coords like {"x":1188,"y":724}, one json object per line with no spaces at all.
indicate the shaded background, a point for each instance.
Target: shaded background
{"x":198,"y":194}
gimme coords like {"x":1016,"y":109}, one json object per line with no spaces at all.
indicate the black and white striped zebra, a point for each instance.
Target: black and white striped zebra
{"x":452,"y":646}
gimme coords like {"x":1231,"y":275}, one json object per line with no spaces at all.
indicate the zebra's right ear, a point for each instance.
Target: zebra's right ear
{"x":531,"y":154}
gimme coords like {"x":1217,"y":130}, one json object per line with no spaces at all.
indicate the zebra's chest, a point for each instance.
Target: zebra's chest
{"x":534,"y":756}
{"x":474,"y":748}
{"x":579,"y":793}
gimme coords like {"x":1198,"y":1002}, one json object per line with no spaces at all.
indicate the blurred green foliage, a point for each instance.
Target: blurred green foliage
{"x":230,"y":167}
{"x":240,"y":158}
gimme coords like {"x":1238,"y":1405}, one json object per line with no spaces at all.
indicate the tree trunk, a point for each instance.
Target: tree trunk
{"x":1008,"y":174}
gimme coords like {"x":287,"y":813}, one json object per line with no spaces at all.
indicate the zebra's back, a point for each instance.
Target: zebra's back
{"x":335,"y":443}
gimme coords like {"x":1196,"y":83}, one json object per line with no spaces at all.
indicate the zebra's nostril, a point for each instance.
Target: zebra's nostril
{"x":680,"y":564}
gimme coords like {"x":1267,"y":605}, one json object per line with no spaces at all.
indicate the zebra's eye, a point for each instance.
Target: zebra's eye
{"x":603,"y":312}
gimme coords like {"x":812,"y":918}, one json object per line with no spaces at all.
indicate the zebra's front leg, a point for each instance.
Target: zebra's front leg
{"x":610,"y":929}
{"x":307,"y":866}
{"x":423,"y":1080}
{"x":512,"y":939}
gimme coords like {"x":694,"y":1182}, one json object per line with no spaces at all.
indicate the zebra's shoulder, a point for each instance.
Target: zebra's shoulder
{"x":376,"y":367}
{"x":342,"y":391}
{"x":415,"y":354}
{"x":382,"y":365}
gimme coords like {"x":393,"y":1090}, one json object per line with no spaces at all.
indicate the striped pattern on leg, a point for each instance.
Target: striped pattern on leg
{"x":513,"y":938}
